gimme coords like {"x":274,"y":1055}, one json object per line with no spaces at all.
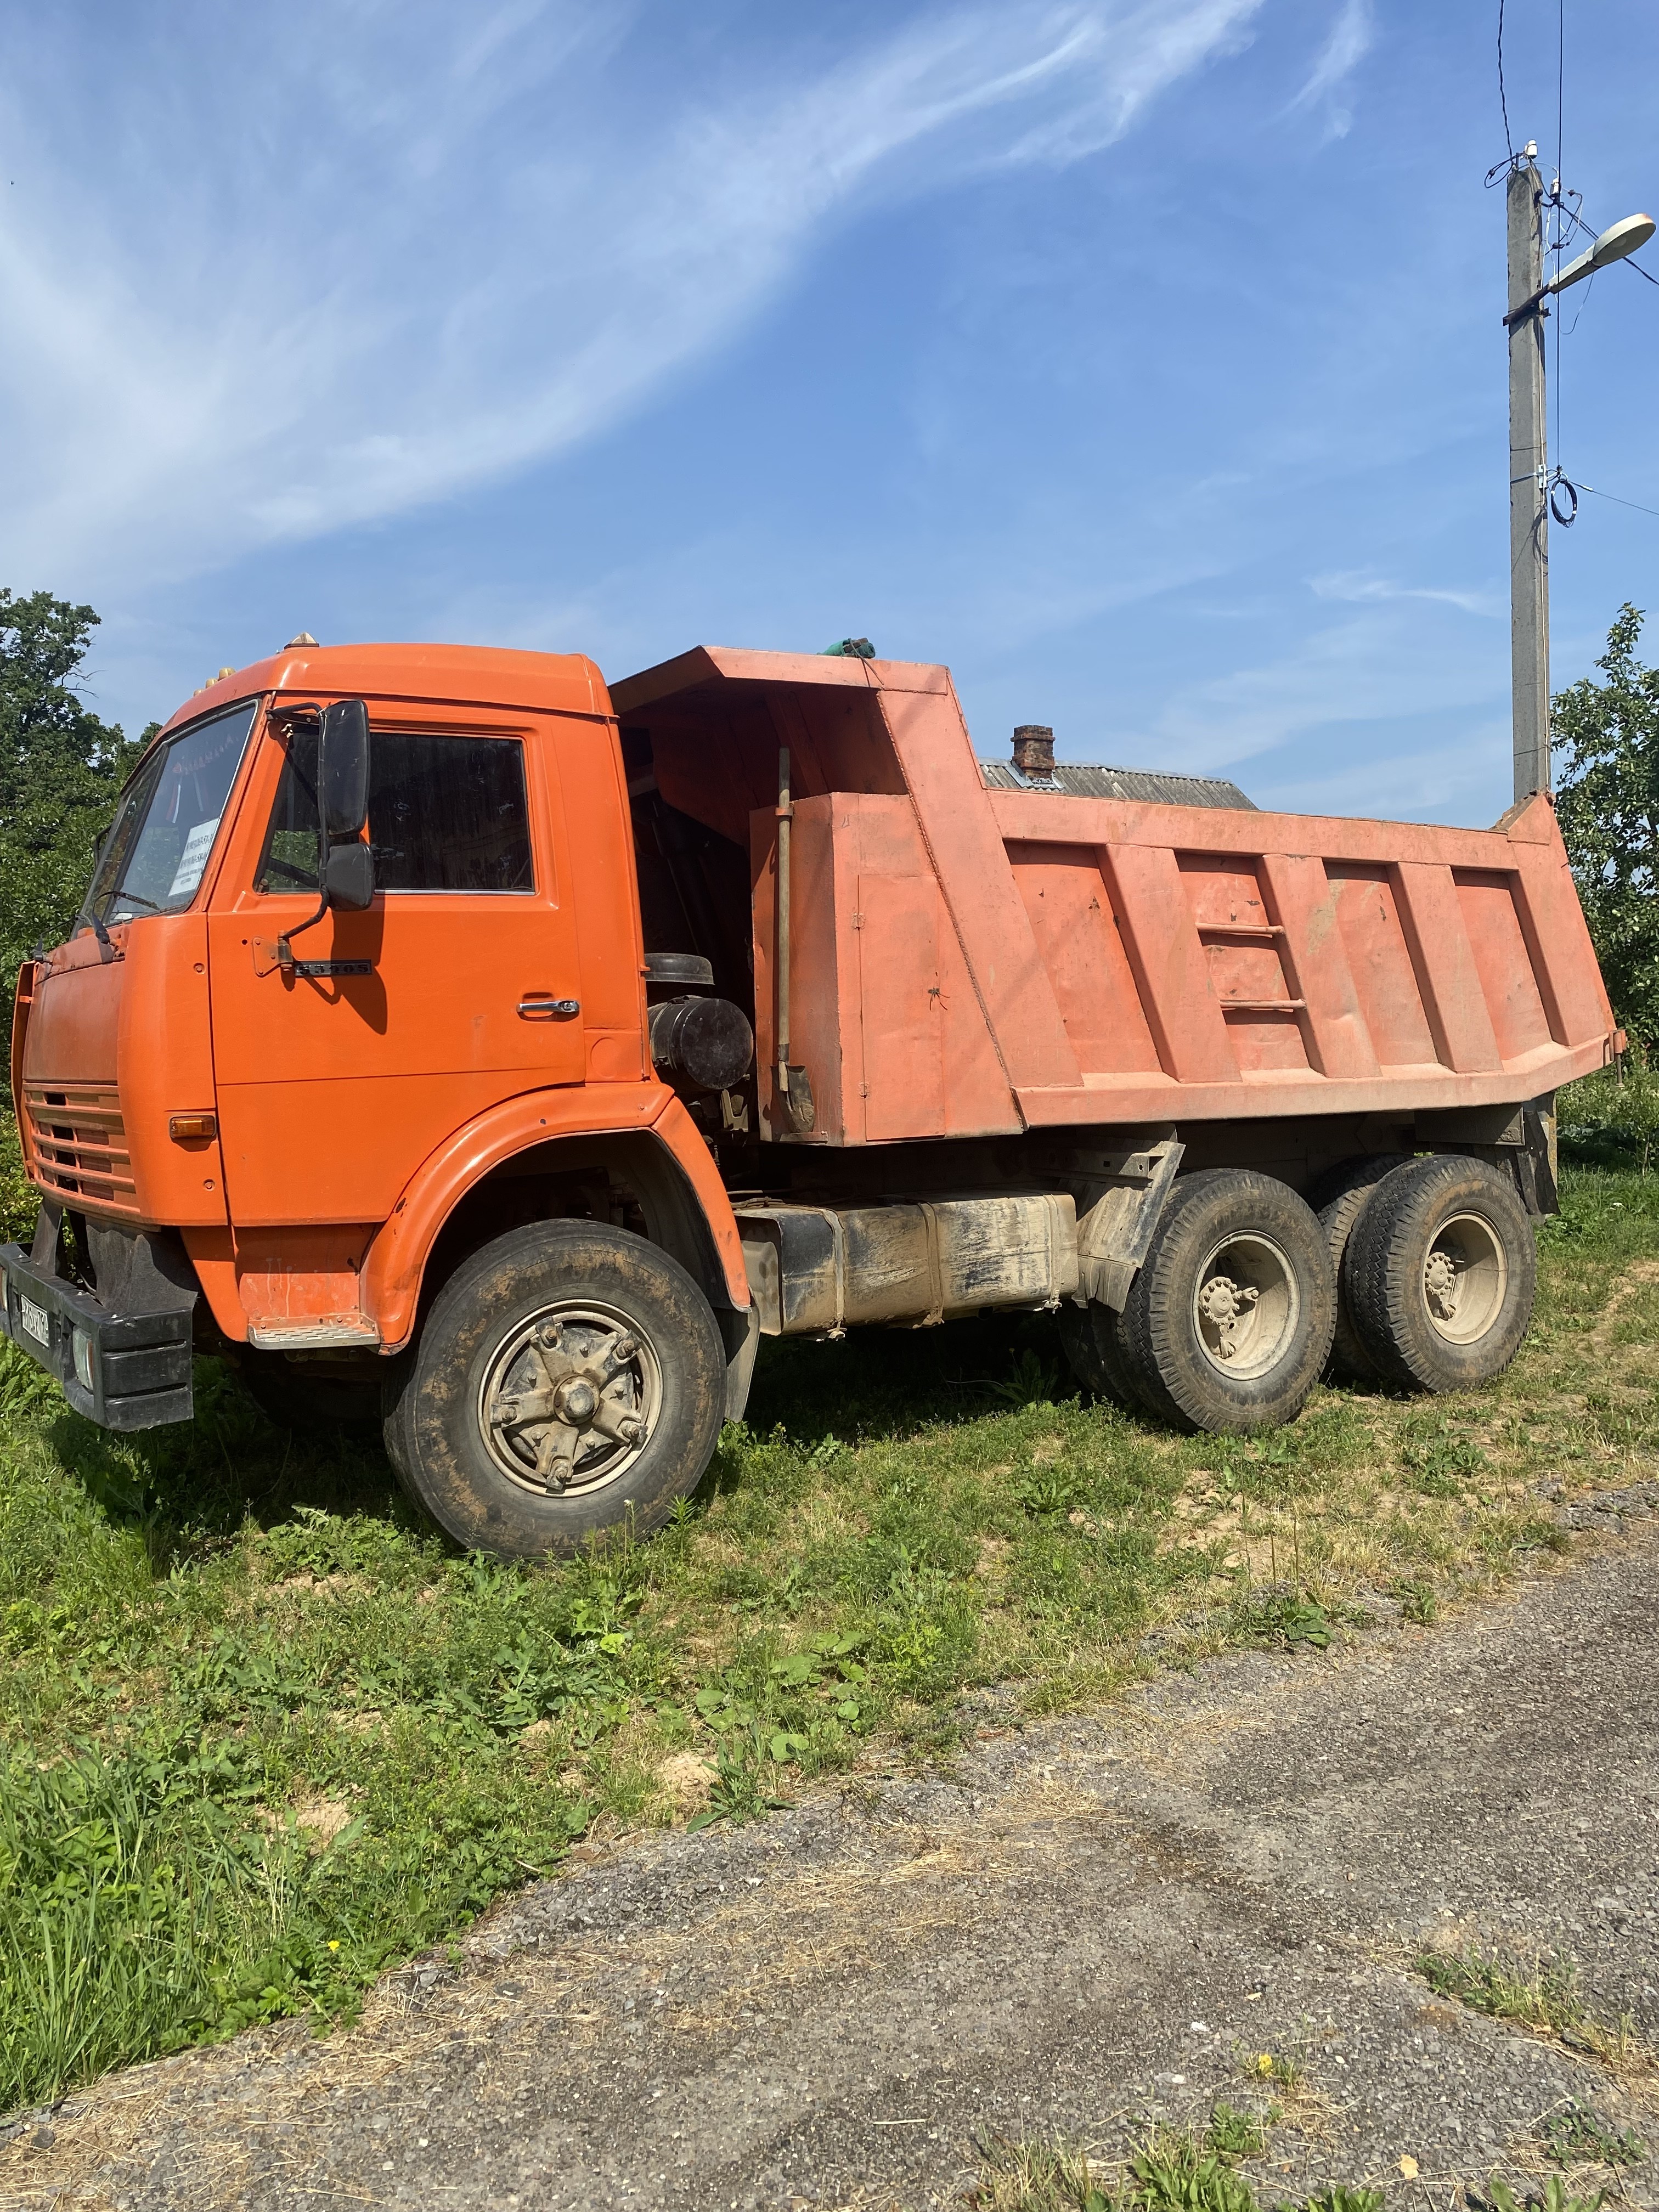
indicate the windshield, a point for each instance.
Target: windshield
{"x":157,"y":849}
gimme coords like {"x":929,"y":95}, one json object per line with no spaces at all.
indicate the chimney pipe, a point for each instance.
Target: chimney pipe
{"x":1034,"y":750}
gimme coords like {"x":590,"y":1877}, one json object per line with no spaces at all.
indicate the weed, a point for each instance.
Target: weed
{"x":1275,"y":2066}
{"x":1235,"y":2134}
{"x":1540,"y":1993}
{"x":1171,"y":2172}
{"x":1575,"y":2136}
{"x":1047,"y":1492}
{"x":1035,"y":2176}
{"x":1175,"y":2174}
{"x":739,"y":1791}
{"x":1554,"y":2197}
{"x":1031,"y":1380}
{"x":1419,"y":1602}
{"x":1441,"y":1462}
{"x":1289,"y":1618}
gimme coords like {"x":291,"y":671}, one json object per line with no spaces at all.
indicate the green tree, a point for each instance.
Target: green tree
{"x":1608,"y":806}
{"x":60,"y":771}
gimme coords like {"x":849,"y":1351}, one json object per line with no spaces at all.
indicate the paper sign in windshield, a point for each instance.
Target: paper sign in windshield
{"x":194,"y":859}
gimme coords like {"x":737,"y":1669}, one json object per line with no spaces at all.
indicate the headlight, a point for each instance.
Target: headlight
{"x":82,"y":1358}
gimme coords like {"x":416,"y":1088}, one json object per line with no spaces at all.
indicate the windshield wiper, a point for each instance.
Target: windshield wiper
{"x":95,"y":921}
{"x":136,"y":898}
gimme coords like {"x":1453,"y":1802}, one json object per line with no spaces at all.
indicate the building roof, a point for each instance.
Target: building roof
{"x":1154,"y":785}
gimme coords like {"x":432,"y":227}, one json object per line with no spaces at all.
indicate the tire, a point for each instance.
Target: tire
{"x":1340,"y":1200}
{"x":310,"y":1398}
{"x":1228,"y":1324}
{"x":1089,"y":1335}
{"x":612,"y":1325}
{"x":1440,"y":1274}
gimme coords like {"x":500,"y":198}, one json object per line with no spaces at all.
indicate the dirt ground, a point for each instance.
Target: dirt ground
{"x":1093,"y":1921}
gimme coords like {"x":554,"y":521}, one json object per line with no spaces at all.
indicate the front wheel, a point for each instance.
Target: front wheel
{"x":569,"y":1379}
{"x":1228,"y":1324}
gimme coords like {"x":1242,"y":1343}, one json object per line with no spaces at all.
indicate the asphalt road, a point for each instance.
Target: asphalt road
{"x":1096,"y":1919}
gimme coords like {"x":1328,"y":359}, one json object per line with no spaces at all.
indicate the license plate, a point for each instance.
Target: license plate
{"x":34,"y":1319}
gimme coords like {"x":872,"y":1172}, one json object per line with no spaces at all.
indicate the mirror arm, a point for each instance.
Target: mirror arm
{"x":284,"y":950}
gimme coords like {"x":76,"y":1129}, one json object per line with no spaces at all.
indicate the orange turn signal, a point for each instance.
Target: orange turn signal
{"x":181,"y":1127}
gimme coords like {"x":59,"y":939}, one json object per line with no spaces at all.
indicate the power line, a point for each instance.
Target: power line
{"x":1503,"y":100}
{"x":1617,"y":502}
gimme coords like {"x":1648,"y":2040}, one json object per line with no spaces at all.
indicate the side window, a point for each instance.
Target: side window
{"x":287,"y":858}
{"x":445,"y":814}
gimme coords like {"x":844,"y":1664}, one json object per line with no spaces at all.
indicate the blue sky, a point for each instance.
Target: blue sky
{"x":1140,"y":359}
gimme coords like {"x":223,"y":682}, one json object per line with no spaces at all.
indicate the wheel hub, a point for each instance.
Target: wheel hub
{"x":1224,"y":1304}
{"x":568,"y":1400}
{"x":1465,"y":1278}
{"x":1246,"y":1305}
{"x":1441,"y":1286}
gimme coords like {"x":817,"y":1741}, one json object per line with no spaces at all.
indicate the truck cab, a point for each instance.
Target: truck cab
{"x":251,"y":1120}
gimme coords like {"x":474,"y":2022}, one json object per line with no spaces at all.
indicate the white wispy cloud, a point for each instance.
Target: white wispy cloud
{"x":265,"y":274}
{"x":1465,"y":780}
{"x":1350,"y":41}
{"x":1380,"y":669}
{"x":1360,"y":588}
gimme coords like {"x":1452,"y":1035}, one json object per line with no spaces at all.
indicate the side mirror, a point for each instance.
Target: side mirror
{"x":343,"y":770}
{"x":348,"y":877}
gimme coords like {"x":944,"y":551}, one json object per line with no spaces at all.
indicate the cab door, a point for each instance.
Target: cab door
{"x":458,"y":987}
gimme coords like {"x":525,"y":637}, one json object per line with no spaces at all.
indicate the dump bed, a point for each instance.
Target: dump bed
{"x":970,"y":961}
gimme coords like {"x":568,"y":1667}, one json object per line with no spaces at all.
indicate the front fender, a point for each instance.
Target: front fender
{"x":396,"y":1261}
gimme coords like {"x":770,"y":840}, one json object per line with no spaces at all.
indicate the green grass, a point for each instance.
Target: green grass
{"x":1577,"y":2137}
{"x":269,"y":1733}
{"x":1173,"y":2171}
{"x":1538,"y":1991}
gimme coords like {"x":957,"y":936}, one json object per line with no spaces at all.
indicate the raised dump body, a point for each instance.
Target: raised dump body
{"x":971,"y":961}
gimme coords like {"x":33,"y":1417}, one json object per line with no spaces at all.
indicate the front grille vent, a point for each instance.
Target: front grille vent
{"x":78,"y":1143}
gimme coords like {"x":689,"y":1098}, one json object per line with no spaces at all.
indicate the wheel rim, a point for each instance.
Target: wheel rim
{"x":569,"y":1398}
{"x":1246,"y":1306}
{"x":1465,"y":1278}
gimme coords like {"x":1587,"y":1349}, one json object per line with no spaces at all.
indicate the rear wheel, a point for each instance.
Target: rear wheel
{"x":1228,"y":1324}
{"x":1089,"y":1333}
{"x":1340,"y":1201}
{"x":570,"y":1378}
{"x":1441,"y":1273}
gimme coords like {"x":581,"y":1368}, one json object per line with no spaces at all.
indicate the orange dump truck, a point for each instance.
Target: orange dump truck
{"x":449,"y":1038}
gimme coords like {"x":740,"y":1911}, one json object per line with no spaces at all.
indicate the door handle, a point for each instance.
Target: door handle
{"x":548,"y":1010}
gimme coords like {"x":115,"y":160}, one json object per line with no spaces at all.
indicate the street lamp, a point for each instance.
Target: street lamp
{"x":1628,"y":236}
{"x":1529,"y":487}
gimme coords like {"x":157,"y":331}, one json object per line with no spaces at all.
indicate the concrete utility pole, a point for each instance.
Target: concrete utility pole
{"x":1530,"y":551}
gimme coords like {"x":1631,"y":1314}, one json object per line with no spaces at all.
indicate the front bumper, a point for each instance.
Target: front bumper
{"x":121,"y":1368}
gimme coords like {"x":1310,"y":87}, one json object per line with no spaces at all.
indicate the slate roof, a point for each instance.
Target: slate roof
{"x":1152,"y":785}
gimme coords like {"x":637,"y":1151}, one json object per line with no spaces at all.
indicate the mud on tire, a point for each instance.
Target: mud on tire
{"x":569,"y":1379}
{"x":1227,"y":1325}
{"x":1441,"y":1273}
